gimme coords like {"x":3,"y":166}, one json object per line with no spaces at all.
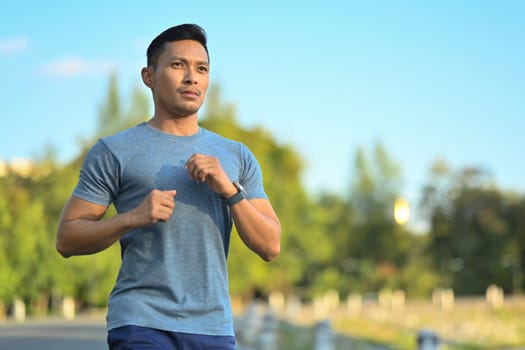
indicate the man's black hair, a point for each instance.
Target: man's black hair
{"x":176,"y":33}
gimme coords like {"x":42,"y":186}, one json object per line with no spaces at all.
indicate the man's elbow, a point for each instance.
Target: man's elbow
{"x":62,"y":251}
{"x":271,"y":253}
{"x":273,"y":249}
{"x":61,"y":247}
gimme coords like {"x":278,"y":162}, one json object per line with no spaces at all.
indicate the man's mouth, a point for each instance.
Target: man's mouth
{"x":190,"y":93}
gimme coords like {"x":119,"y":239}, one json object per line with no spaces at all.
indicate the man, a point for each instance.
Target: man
{"x":177,"y":188}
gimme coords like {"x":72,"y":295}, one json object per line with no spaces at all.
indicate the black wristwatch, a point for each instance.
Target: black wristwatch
{"x":239,"y":196}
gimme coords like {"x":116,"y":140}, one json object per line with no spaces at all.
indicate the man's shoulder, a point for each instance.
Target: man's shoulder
{"x":214,"y":137}
{"x":124,"y":136}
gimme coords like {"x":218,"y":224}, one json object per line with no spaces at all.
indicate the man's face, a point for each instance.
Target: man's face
{"x":181,"y":78}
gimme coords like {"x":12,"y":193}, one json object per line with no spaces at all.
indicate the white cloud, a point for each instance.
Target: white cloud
{"x":75,"y":66}
{"x":11,"y":46}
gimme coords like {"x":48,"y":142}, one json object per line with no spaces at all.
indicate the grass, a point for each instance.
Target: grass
{"x":292,"y":337}
{"x":470,"y":325}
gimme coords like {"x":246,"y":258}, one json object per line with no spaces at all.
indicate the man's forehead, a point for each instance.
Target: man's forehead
{"x":187,"y":49}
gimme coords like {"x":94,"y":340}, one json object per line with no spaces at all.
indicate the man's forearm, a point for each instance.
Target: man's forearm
{"x":86,"y":236}
{"x":258,"y":229}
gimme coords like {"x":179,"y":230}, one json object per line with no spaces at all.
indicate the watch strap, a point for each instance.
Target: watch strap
{"x":239,"y":196}
{"x":236,"y":198}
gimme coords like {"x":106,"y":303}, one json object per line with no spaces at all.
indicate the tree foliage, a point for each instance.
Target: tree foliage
{"x":330,"y":241}
{"x":476,"y":230}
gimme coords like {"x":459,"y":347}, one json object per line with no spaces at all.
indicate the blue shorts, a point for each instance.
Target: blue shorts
{"x":142,"y":338}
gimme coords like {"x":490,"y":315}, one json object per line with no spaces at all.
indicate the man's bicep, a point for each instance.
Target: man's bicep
{"x":77,"y":208}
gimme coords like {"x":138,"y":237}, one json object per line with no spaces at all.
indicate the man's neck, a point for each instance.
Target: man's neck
{"x":181,"y":126}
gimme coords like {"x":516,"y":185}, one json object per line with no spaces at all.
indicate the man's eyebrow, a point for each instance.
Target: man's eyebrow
{"x":185,"y":60}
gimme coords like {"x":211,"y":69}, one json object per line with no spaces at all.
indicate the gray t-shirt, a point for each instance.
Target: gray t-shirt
{"x":173,"y":275}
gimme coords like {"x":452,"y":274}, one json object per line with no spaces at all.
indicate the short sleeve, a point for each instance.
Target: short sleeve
{"x":99,"y":176}
{"x":251,"y":175}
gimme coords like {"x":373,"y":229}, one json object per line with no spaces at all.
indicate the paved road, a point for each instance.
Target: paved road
{"x":84,"y":333}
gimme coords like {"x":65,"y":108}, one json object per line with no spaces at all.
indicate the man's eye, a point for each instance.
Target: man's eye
{"x":203,"y":69}
{"x":176,"y":64}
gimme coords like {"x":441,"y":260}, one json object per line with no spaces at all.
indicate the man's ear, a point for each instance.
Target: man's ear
{"x":147,"y":76}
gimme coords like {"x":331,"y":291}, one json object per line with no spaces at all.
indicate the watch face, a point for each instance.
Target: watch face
{"x":240,"y":188}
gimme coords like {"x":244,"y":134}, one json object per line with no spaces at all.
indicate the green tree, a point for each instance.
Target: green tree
{"x":282,"y":168}
{"x":90,"y":279}
{"x":334,"y":267}
{"x":113,"y":117}
{"x":471,"y":231}
{"x":25,"y":241}
{"x":7,"y":270}
{"x":514,"y":259}
{"x":377,"y":243}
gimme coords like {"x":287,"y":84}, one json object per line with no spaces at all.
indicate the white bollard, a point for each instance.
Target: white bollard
{"x":354,"y":304}
{"x":293,"y":308}
{"x":277,"y":301}
{"x":444,"y":299}
{"x":331,"y":300}
{"x":385,"y":298}
{"x":19,"y":310}
{"x":320,"y":310}
{"x":495,"y":296}
{"x":447,"y":300}
{"x":68,"y":308}
{"x":398,"y":300}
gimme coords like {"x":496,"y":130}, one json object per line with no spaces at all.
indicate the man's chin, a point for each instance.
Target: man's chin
{"x":185,"y":112}
{"x":190,"y":108}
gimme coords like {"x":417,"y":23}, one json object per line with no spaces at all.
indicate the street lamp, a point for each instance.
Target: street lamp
{"x":401,"y":211}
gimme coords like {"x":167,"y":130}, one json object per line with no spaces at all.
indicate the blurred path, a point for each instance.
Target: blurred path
{"x":83,"y":333}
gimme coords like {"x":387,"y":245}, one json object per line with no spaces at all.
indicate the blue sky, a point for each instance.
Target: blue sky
{"x":428,"y":79}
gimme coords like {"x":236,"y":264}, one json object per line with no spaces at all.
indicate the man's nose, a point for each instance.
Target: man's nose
{"x":189,"y":78}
